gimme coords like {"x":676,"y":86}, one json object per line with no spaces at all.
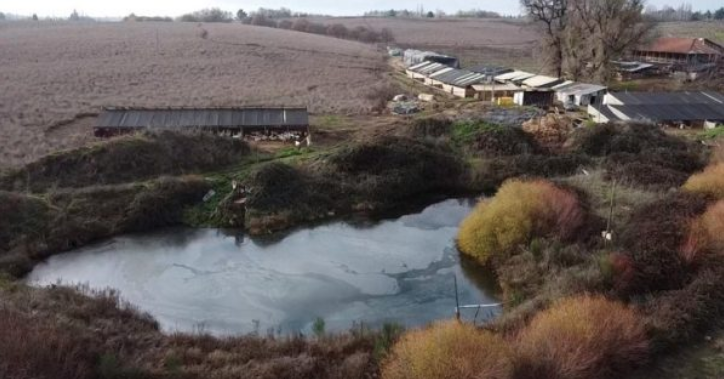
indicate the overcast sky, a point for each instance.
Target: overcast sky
{"x":101,"y":8}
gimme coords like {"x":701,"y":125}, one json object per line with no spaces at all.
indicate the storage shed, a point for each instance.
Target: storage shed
{"x":580,"y":94}
{"x":233,"y":121}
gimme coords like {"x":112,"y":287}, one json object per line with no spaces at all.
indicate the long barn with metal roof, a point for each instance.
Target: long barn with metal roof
{"x":235,"y":120}
{"x":700,"y":108}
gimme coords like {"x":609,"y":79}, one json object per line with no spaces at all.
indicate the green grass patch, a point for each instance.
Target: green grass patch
{"x":465,"y":131}
{"x":715,"y":133}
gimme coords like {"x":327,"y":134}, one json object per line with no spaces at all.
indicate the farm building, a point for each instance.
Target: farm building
{"x":421,"y":72}
{"x":633,"y":70}
{"x":693,"y":109}
{"x":413,"y":57}
{"x":534,"y":97}
{"x":515,"y":77}
{"x":682,"y":54}
{"x":580,"y":94}
{"x":238,"y":122}
{"x":490,"y":72}
{"x":456,"y":82}
{"x":496,"y":92}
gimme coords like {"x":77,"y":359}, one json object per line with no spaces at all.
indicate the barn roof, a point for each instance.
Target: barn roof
{"x":261,"y":117}
{"x":670,"y":106}
{"x":460,"y":78}
{"x":684,"y":46}
{"x":580,"y":89}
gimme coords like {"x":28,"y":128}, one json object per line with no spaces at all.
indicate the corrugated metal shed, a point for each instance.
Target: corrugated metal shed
{"x":508,"y":87}
{"x":211,"y":118}
{"x":489,"y":70}
{"x":580,"y":89}
{"x":542,"y":81}
{"x":460,"y":78}
{"x":668,"y":106}
{"x":514,"y":76}
{"x":679,"y":98}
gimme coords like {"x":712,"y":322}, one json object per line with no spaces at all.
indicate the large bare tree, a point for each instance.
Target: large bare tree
{"x":610,"y":27}
{"x":552,"y":17}
{"x":582,"y":37}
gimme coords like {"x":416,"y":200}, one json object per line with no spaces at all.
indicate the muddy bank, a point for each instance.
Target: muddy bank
{"x":34,"y":226}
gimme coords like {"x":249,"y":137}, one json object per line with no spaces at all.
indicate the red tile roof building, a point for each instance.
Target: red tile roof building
{"x":687,"y":52}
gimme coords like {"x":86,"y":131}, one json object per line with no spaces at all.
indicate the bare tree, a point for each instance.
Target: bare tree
{"x":552,"y":15}
{"x":610,"y":27}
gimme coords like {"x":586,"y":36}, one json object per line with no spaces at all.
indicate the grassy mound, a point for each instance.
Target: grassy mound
{"x":392,"y":169}
{"x":65,"y":220}
{"x":449,"y":350}
{"x":481,"y":139}
{"x":582,"y":338}
{"x":490,"y":174}
{"x":654,"y":168}
{"x":606,"y":139}
{"x":127,"y":159}
{"x":520,"y":211}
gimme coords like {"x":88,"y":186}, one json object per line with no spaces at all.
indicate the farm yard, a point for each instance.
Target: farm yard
{"x":54,"y":74}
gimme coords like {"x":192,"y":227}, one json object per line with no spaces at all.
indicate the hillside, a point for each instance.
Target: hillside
{"x":53,"y":74}
{"x":475,"y":41}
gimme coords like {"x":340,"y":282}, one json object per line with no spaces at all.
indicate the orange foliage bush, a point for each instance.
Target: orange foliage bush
{"x":449,"y":350}
{"x":581,"y":337}
{"x":709,"y":182}
{"x":706,"y":234}
{"x":520,"y":211}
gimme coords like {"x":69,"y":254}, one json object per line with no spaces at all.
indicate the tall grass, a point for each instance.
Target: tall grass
{"x":449,"y":350}
{"x":582,"y":338}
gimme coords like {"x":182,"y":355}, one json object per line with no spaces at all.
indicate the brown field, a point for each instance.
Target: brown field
{"x":55,"y":76}
{"x":712,"y":30}
{"x":475,"y":41}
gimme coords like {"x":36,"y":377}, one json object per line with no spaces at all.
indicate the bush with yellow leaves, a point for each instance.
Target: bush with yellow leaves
{"x":521,"y":211}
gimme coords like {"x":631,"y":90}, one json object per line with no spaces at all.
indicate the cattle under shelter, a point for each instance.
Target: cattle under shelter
{"x":237,"y":122}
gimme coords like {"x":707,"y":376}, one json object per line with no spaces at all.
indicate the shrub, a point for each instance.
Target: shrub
{"x":581,"y":337}
{"x":710,"y":182}
{"x":645,"y":175}
{"x":491,"y":173}
{"x":519,"y":212}
{"x":602,"y":140}
{"x":449,"y":350}
{"x":489,"y":140}
{"x":706,"y":234}
{"x":676,"y":316}
{"x":654,"y":238}
{"x":36,"y":348}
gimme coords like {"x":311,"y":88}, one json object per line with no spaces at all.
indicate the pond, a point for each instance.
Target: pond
{"x":399,"y":270}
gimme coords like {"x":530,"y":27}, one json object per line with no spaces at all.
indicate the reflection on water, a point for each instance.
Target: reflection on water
{"x":397,"y":270}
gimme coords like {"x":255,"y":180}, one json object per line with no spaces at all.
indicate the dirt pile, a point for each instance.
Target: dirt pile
{"x":127,"y":159}
{"x":550,"y":131}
